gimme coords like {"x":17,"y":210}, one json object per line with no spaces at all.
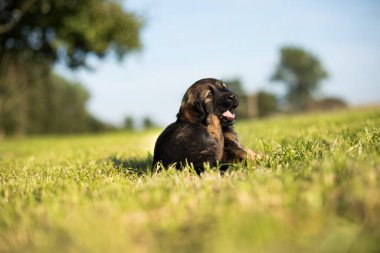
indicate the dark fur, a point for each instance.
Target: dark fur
{"x":201,"y":135}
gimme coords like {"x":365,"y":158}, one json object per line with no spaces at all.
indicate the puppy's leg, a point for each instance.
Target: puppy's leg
{"x":214,"y":129}
{"x":233,"y":150}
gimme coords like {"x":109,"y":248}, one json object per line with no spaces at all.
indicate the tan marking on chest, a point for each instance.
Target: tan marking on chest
{"x":215,"y":130}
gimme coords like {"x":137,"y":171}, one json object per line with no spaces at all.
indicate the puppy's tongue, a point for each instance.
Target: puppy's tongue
{"x":228,"y":115}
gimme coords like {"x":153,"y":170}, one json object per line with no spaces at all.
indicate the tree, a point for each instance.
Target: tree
{"x":35,"y":34}
{"x":302,"y":73}
{"x":21,"y":83}
{"x":266,"y":103}
{"x":67,"y":30}
{"x":129,"y":123}
{"x":148,"y":123}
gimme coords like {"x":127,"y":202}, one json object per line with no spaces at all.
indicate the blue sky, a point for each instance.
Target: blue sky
{"x":188,"y":40}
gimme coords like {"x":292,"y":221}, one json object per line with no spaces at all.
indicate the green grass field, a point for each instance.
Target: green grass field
{"x":317,"y":189}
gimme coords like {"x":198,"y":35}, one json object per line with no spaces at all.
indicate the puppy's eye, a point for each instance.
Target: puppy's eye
{"x":210,"y":94}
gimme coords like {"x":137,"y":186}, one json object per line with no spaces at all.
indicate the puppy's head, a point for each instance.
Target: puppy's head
{"x":205,"y":97}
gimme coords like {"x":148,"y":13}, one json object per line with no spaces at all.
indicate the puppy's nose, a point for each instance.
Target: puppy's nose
{"x":232,"y":97}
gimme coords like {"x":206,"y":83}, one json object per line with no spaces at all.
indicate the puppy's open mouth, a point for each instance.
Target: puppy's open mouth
{"x":228,"y":116}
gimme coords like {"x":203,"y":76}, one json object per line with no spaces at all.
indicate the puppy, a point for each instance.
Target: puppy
{"x":203,"y":133}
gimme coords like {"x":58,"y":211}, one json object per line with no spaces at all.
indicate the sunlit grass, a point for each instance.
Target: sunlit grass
{"x":316,"y":189}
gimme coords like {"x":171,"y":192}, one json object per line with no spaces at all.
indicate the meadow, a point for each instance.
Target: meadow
{"x":315,"y":189}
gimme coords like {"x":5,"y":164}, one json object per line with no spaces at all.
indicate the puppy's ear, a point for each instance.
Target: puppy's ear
{"x":208,"y":102}
{"x":196,"y":105}
{"x":191,"y":109}
{"x":204,"y":105}
{"x":201,"y":109}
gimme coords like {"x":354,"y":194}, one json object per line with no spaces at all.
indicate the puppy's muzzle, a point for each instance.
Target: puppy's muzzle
{"x":231,"y":100}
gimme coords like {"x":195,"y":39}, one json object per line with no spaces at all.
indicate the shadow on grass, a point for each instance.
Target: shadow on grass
{"x":143,"y":166}
{"x":134,"y":166}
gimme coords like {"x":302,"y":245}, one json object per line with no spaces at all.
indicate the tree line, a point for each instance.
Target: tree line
{"x":302,"y":74}
{"x":35,"y":35}
{"x":131,"y":124}
{"x":45,"y":103}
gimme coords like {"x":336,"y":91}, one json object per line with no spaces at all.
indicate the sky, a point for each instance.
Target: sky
{"x":184,"y":41}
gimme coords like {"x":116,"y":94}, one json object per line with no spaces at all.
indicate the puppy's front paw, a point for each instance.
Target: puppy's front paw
{"x":253,"y":156}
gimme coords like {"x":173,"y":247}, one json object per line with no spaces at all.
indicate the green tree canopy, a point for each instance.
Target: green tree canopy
{"x":148,"y":123}
{"x":35,"y":34}
{"x":68,"y":30}
{"x":266,"y":103}
{"x":302,"y":74}
{"x":129,"y":123}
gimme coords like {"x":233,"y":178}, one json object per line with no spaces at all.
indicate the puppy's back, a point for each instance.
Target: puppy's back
{"x":182,"y":143}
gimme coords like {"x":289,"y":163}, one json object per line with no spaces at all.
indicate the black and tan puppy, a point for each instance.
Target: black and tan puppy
{"x":203,"y":132}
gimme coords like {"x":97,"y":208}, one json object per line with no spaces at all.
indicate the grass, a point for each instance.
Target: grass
{"x":316,"y":190}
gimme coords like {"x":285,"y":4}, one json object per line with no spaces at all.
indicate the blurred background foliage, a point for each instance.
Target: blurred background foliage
{"x":302,"y":74}
{"x":34,"y":35}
